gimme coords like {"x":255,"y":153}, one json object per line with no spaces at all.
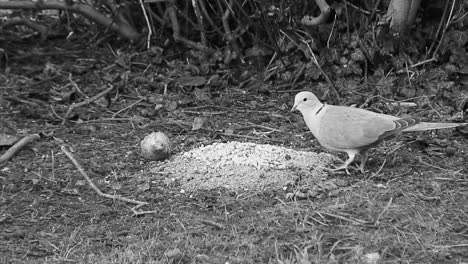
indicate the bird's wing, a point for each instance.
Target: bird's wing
{"x":345,"y":128}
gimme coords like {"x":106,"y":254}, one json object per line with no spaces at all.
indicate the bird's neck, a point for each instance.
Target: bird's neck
{"x":312,"y":118}
{"x":319,"y":108}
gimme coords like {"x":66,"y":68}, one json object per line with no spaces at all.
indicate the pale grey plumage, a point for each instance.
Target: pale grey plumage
{"x":354,"y":130}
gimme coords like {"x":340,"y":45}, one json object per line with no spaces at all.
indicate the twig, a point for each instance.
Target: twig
{"x":333,"y":29}
{"x":16,"y":147}
{"x":408,"y":75}
{"x":251,"y":137}
{"x":127,"y":107}
{"x":212,"y":223}
{"x":52,"y":155}
{"x":438,"y":28}
{"x":86,"y":102}
{"x":96,"y":189}
{"x":416,"y":65}
{"x":32,"y":104}
{"x":69,"y":53}
{"x":378,"y":171}
{"x":357,"y":8}
{"x":451,"y":246}
{"x":355,"y":221}
{"x":299,"y":73}
{"x":156,"y":16}
{"x":436,"y":167}
{"x":203,"y":113}
{"x":347,"y":20}
{"x":208,"y":18}
{"x":432,"y":107}
{"x":176,"y":30}
{"x":150,"y":28}
{"x":383,"y":211}
{"x":239,"y":136}
{"x":199,"y":16}
{"x":445,"y":30}
{"x":106,"y":120}
{"x":265,"y":127}
{"x":270,"y":62}
{"x":138,"y":213}
{"x":55,"y":113}
{"x":228,"y":32}
{"x":332,"y":84}
{"x":242,"y":110}
{"x":374,"y":10}
{"x":76,"y":87}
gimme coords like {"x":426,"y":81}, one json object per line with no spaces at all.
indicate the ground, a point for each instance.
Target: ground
{"x":411,"y":206}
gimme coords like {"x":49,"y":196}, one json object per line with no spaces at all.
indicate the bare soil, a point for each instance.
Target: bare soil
{"x":410,"y":207}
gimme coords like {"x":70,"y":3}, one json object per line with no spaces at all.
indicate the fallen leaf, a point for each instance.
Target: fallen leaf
{"x":193,"y":81}
{"x":229,"y":131}
{"x":171,"y":106}
{"x":198,"y":123}
{"x":202,"y":94}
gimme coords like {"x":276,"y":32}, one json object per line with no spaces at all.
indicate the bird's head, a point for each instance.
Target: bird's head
{"x":305,"y":101}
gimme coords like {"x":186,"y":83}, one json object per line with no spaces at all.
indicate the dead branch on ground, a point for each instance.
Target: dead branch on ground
{"x":85,"y":102}
{"x":17,"y":147}
{"x":99,"y":192}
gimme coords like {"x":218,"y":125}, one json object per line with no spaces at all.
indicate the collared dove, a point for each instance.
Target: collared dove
{"x":354,"y":130}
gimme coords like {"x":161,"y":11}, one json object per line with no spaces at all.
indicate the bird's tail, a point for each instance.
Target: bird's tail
{"x":424,"y":126}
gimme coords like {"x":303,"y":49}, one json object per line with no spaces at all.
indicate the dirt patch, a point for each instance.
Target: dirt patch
{"x":243,"y":166}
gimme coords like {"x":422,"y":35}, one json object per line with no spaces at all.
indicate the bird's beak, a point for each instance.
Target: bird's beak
{"x":293,"y":108}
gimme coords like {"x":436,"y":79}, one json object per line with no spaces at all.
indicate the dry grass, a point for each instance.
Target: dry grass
{"x":412,"y":219}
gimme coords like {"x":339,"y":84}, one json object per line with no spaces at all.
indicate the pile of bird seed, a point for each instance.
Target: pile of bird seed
{"x":242,"y":166}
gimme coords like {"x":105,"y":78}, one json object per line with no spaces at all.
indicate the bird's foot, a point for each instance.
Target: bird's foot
{"x":345,"y":168}
{"x":361,"y":168}
{"x":342,"y":167}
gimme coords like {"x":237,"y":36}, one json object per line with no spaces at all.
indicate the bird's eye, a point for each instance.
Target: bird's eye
{"x":305,"y":99}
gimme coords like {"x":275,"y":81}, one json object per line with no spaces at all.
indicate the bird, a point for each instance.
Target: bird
{"x":354,"y":130}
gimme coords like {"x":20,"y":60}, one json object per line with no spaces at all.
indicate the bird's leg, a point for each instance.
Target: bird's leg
{"x":364,"y":156}
{"x":350,"y":159}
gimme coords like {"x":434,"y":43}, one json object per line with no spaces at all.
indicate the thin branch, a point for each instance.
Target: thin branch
{"x":199,"y":17}
{"x":208,"y":17}
{"x":357,"y":8}
{"x":374,"y":10}
{"x":176,"y":31}
{"x":150,"y":29}
{"x":86,"y":102}
{"x":314,"y":59}
{"x":96,"y":189}
{"x":213,"y":224}
{"x":128,"y":107}
{"x":17,"y":147}
{"x":445,"y":30}
{"x":229,"y":36}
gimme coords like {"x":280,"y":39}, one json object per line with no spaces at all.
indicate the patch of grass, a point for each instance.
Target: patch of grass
{"x":392,"y":221}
